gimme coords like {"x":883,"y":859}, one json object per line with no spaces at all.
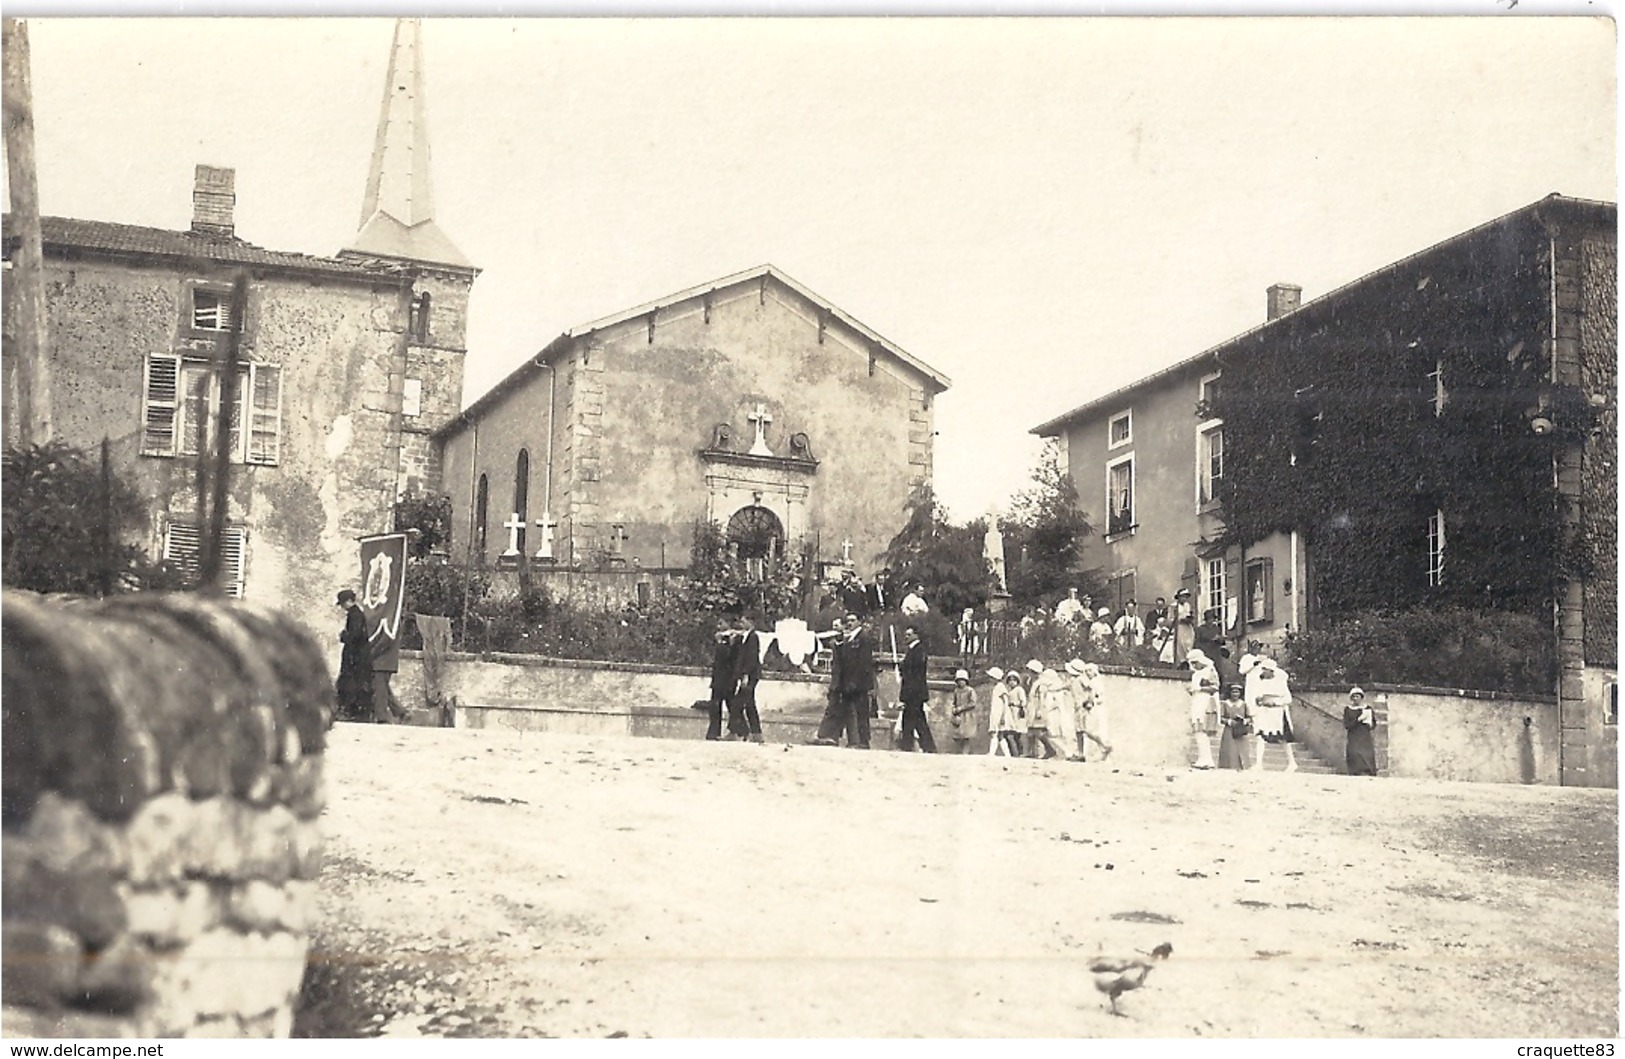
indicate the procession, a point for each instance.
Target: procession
{"x":454,"y":618}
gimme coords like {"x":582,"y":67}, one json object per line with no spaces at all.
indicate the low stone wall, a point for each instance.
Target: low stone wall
{"x":162,"y":782}
{"x":1425,"y":733}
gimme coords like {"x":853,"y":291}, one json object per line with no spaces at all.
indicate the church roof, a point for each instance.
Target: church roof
{"x":397,"y":212}
{"x":69,"y":234}
{"x":935,"y":378}
{"x":1602,"y":212}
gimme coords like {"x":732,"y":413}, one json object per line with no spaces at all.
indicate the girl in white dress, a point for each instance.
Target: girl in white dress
{"x":1204,"y":692}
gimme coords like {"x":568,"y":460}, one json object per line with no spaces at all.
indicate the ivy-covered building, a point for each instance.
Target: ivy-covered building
{"x":1440,"y":432}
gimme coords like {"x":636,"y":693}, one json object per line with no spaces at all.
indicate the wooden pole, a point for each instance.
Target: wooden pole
{"x":28,"y":275}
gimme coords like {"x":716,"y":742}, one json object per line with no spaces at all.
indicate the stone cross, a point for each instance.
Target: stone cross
{"x":761,"y":419}
{"x":513,"y":526}
{"x":846,"y":551}
{"x":547,"y":524}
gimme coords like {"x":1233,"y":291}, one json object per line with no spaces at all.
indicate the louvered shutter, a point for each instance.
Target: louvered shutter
{"x":183,"y":546}
{"x":233,"y":561}
{"x":235,"y":440}
{"x":265,"y":427}
{"x":159,"y":407}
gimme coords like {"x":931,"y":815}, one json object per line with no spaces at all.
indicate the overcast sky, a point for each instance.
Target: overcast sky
{"x":1044,"y":210}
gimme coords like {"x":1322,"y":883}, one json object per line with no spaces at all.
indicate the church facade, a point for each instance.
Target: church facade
{"x":750,"y":402}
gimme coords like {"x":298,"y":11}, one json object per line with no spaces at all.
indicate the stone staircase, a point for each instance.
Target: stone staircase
{"x":1275,"y":759}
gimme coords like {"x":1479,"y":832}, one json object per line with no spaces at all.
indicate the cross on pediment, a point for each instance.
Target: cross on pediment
{"x":761,"y":418}
{"x":547,"y":525}
{"x":514,"y":524}
{"x":846,"y":551}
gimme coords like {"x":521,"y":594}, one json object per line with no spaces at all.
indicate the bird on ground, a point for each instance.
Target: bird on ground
{"x":1115,"y":975}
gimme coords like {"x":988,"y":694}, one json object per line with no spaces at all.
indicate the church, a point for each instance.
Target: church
{"x":748,"y":401}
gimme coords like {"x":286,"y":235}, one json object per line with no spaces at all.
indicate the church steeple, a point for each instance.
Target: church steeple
{"x":397,"y":214}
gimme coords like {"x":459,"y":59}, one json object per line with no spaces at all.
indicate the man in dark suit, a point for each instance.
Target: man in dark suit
{"x":854,"y":597}
{"x":879,"y":594}
{"x":914,"y":695}
{"x":748,"y":670}
{"x":851,"y":681}
{"x":724,"y":657}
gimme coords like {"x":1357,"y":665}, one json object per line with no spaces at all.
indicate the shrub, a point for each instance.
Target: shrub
{"x":1450,"y":647}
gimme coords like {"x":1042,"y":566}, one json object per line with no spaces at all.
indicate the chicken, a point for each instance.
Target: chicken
{"x":1116,"y":975}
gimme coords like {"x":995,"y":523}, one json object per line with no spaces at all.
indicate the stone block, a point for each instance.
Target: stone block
{"x":202,"y":769}
{"x":292,"y":747}
{"x":119,"y":979}
{"x":40,"y":965}
{"x":298,"y":906}
{"x":256,"y":905}
{"x":66,"y":837}
{"x":87,"y":904}
{"x":155,"y":839}
{"x":168,"y":916}
{"x":268,"y":844}
{"x":307,"y":850}
{"x":304,"y":792}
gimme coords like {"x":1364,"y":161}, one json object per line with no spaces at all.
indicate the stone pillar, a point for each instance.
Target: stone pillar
{"x":585,"y":421}
{"x":162,"y":783}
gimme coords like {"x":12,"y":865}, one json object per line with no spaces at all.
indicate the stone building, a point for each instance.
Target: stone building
{"x":749,"y":401}
{"x":348,"y":363}
{"x":1440,"y":432}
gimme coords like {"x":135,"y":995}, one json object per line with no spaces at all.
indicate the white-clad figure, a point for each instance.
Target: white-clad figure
{"x":1204,"y":693}
{"x":1269,"y":700}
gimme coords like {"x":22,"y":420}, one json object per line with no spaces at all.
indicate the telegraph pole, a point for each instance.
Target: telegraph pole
{"x":28,"y":275}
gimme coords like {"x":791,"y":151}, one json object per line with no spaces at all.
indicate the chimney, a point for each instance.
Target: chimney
{"x":213,"y":197}
{"x":1283,"y":298}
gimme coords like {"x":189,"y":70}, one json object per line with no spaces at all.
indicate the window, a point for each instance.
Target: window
{"x":418,"y":322}
{"x":1610,"y":702}
{"x":1207,"y":392}
{"x":412,"y":397}
{"x":1213,"y":589}
{"x":1120,"y":589}
{"x":1436,"y":549}
{"x":182,"y":407}
{"x":211,"y":309}
{"x":1260,"y":587}
{"x":482,"y":499}
{"x":1209,"y":463}
{"x":1120,"y":496}
{"x":521,"y":494}
{"x":183,"y":549}
{"x":1120,"y":431}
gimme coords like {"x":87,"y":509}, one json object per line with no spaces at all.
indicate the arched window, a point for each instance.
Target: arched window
{"x":482,"y":502}
{"x":521,"y":493}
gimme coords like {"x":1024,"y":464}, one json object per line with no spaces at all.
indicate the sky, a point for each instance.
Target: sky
{"x":1042,"y":209}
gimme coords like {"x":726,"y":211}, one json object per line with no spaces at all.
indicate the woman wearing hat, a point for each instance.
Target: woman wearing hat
{"x":962,"y":713}
{"x":1236,"y":726}
{"x":1204,"y":693}
{"x":1269,"y":700}
{"x":1069,"y":719}
{"x":1046,"y":698}
{"x":1360,"y":721}
{"x":1184,"y":625}
{"x":1093,"y":725}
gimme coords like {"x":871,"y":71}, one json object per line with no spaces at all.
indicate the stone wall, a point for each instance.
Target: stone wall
{"x":162,"y":783}
{"x":1423,"y":733}
{"x":1599,"y":366}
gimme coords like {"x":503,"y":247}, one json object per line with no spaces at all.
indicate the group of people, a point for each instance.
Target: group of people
{"x":1030,"y":717}
{"x":736,"y":669}
{"x":1167,"y":632}
{"x":1257,"y":711}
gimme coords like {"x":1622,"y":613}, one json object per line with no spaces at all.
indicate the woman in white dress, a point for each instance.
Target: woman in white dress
{"x":1204,"y":693}
{"x":1094,"y":727}
{"x":1269,"y":701}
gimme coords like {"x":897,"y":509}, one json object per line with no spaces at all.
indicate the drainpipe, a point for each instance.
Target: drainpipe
{"x":1297,"y":583}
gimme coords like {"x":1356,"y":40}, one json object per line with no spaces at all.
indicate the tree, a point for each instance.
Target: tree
{"x":66,"y":515}
{"x":430,"y":515}
{"x":945,"y":558}
{"x":1046,"y":530}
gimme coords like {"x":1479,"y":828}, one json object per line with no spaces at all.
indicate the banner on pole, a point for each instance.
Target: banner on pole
{"x":383,"y":586}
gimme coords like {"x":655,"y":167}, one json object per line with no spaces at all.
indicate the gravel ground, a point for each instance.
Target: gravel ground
{"x":493,"y":884}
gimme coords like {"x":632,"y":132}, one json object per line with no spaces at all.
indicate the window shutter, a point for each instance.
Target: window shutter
{"x":197,"y":399}
{"x":158,"y":412}
{"x":233,"y":561}
{"x":265,"y":427}
{"x":182,"y":547}
{"x":235,"y":426}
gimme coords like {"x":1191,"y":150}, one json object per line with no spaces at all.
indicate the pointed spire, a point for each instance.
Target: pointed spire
{"x":397,"y":214}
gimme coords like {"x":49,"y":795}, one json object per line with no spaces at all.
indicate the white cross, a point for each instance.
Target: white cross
{"x":546,"y":523}
{"x":761,"y":418}
{"x":846,"y":551}
{"x":513,"y":526}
